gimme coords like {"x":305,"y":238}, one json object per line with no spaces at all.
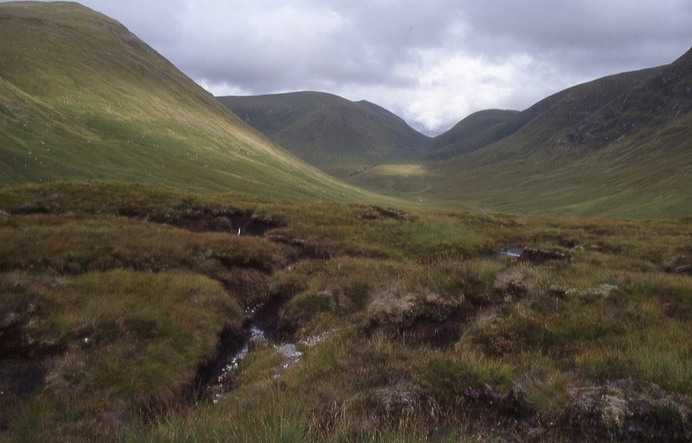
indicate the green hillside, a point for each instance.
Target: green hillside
{"x":83,"y":98}
{"x":561,"y":110}
{"x":617,"y":146}
{"x":338,"y":135}
{"x":662,"y":102}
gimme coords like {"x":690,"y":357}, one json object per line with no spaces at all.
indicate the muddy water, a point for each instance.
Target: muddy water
{"x":19,"y":379}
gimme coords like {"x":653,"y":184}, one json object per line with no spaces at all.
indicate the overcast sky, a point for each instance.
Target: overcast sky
{"x":432,"y":62}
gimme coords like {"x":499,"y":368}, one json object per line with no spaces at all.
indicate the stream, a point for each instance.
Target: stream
{"x":218,"y":377}
{"x":513,"y":252}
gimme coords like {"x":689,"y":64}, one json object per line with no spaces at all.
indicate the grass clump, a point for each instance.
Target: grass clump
{"x":115,"y":344}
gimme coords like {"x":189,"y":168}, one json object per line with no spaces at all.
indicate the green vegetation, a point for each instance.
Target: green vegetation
{"x":617,"y":146}
{"x":108,"y":355}
{"x":92,"y":101}
{"x":411,"y":325}
{"x":335,"y":134}
{"x":179,"y":278}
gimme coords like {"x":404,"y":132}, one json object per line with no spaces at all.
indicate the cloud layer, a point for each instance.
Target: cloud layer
{"x":432,"y":62}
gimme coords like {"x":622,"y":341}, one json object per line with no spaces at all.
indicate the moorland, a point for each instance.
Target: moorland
{"x":170,"y":273}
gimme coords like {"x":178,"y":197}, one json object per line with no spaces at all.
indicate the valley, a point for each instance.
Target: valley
{"x":169,"y":272}
{"x":616,"y":146}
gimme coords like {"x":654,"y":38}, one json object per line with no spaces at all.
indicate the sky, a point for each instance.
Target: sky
{"x":431,"y":62}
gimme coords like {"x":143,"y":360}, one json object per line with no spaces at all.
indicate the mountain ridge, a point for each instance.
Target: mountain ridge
{"x":668,"y":96}
{"x":612,"y":129}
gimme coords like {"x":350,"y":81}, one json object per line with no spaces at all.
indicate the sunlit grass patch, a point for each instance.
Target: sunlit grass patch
{"x":436,"y":235}
{"x":661,"y":355}
{"x":404,"y":170}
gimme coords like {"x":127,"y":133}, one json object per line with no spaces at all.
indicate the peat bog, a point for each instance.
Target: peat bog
{"x":335,"y":322}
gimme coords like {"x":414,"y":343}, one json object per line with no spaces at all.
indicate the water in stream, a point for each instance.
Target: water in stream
{"x":222,"y":382}
{"x":221,"y":374}
{"x":513,"y":252}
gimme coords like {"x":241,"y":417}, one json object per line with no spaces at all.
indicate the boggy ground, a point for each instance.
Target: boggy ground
{"x":116,"y":299}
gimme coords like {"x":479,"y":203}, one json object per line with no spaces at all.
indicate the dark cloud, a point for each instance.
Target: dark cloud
{"x":431,"y":62}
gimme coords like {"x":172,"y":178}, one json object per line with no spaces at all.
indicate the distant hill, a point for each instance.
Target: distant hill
{"x":81,"y":97}
{"x":328,"y":131}
{"x":476,"y":131}
{"x":617,"y":146}
{"x":550,"y":115}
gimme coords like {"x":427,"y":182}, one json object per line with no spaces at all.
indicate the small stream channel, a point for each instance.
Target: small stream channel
{"x":218,"y":377}
{"x":513,"y":252}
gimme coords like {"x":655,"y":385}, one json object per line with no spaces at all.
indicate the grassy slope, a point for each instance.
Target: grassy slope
{"x":635,"y":159}
{"x":338,"y":135}
{"x":81,"y":97}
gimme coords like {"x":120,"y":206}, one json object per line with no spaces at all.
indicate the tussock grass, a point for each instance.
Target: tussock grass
{"x":453,"y":377}
{"x":405,"y":335}
{"x":87,"y":244}
{"x":116,"y":343}
{"x":660,"y":356}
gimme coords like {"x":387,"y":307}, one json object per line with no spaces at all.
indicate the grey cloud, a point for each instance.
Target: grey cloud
{"x":159,"y":23}
{"x":360,"y":48}
{"x":589,"y":36}
{"x":432,"y":62}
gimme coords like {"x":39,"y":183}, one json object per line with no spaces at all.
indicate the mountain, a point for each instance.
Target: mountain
{"x":617,"y":146}
{"x":665,"y":98}
{"x":475,"y":131}
{"x":81,"y":97}
{"x":563,"y":109}
{"x":331,"y":132}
